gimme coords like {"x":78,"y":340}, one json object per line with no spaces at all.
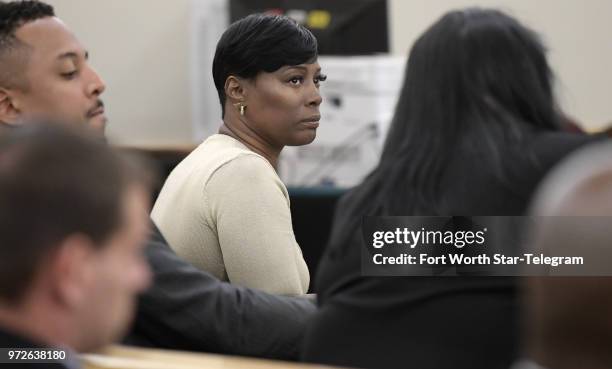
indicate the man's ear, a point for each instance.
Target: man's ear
{"x":235,"y":89}
{"x":73,"y":270}
{"x":9,"y":108}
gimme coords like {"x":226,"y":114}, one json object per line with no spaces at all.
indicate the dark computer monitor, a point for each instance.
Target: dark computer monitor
{"x":342,"y":27}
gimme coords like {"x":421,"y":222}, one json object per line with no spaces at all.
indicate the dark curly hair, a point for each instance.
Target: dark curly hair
{"x":13,"y":15}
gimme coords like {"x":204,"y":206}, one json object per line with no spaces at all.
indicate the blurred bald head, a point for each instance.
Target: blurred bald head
{"x":581,"y":185}
{"x":569,"y":319}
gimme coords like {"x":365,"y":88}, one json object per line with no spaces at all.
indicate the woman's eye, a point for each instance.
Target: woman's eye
{"x":320,"y":78}
{"x":296,"y":80}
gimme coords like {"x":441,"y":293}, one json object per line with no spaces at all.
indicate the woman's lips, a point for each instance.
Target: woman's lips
{"x":311,"y":122}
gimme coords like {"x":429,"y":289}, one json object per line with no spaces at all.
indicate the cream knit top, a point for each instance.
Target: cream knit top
{"x":225,"y":210}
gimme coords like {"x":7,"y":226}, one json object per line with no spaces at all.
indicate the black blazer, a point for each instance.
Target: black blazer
{"x":187,"y":309}
{"x":433,"y":322}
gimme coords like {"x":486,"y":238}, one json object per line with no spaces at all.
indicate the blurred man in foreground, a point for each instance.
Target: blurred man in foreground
{"x":71,"y":260}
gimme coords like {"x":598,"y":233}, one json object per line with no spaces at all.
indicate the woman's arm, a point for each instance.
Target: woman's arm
{"x":249,"y":206}
{"x":188,"y":309}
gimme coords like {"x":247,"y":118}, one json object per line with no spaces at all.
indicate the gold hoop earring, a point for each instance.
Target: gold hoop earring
{"x":241,"y":108}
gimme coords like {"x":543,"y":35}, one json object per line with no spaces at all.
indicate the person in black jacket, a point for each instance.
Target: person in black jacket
{"x":475,"y":129}
{"x":44,"y":71}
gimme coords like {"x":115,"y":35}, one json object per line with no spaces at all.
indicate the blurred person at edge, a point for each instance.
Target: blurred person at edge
{"x":566,"y":316}
{"x":71,"y":244}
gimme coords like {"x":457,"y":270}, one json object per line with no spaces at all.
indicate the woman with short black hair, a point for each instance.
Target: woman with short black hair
{"x":224,"y":208}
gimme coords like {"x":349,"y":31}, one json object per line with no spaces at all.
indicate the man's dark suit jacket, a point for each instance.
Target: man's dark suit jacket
{"x":188,"y":309}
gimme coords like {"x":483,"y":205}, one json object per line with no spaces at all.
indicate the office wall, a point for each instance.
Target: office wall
{"x":576,"y":32}
{"x":142,"y":50}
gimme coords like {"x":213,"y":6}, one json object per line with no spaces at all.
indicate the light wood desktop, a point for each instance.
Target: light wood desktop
{"x":124,"y":357}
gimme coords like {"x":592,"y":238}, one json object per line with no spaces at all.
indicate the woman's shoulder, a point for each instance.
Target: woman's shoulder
{"x":245,"y":168}
{"x":221,"y":155}
{"x":247,"y":164}
{"x":247,"y":178}
{"x":219,"y":145}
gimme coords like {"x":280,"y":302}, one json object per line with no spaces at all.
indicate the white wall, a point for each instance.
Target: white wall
{"x":141,"y":49}
{"x":577,"y":33}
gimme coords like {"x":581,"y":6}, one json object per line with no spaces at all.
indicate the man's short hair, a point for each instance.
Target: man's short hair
{"x":55,"y":182}
{"x":13,"y":53}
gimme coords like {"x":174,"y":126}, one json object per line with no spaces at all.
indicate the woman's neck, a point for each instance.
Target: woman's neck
{"x":252,"y":140}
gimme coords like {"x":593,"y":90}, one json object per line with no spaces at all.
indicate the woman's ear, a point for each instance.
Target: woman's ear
{"x":235,"y":89}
